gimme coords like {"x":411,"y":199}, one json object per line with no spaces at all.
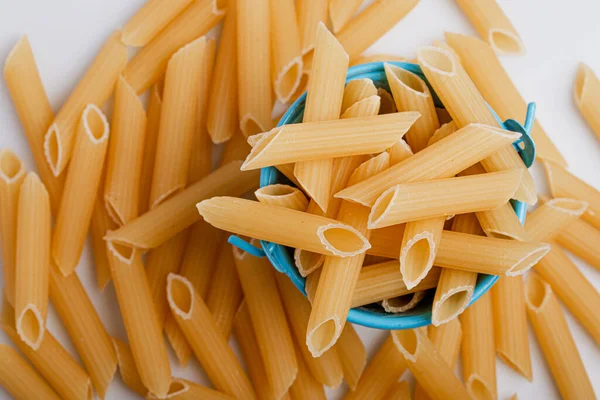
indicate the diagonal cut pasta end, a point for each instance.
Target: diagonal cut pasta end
{"x":451,"y":304}
{"x":407,"y":80}
{"x":505,"y":42}
{"x":253,"y":161}
{"x":478,"y":388}
{"x":416,"y":258}
{"x":53,"y":149}
{"x":11,"y":167}
{"x":177,"y":389}
{"x":568,"y":206}
{"x":523,"y":370}
{"x":288,"y":80}
{"x":30,"y":326}
{"x":342,"y":240}
{"x":324,"y":336}
{"x":180,"y":295}
{"x":537,"y":293}
{"x":438,"y":60}
{"x":407,"y":343}
{"x":124,"y":253}
{"x":307,"y":261}
{"x":584,"y":74}
{"x":402,"y":303}
{"x":250,"y":125}
{"x":529,"y":260}
{"x":381,"y":207}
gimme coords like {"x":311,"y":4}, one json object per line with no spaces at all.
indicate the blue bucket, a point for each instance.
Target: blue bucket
{"x":373,"y":316}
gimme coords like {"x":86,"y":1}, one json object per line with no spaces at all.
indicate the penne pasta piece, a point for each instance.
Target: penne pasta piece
{"x":236,"y":149}
{"x":253,"y":219}
{"x":502,"y":223}
{"x":481,"y":63}
{"x":379,"y":57}
{"x":410,"y":93}
{"x":352,"y":354}
{"x":85,"y":328}
{"x":127,"y":369}
{"x":283,"y":196}
{"x":92,"y":90}
{"x":32,"y":261}
{"x":322,"y":139}
{"x":564,"y":184}
{"x":478,"y":352}
{"x":384,"y":369}
{"x":493,"y":26}
{"x":324,"y":101}
{"x":583,"y":240}
{"x":443,"y":116}
{"x":466,"y":105}
{"x":33,"y":109}
{"x":443,"y":131}
{"x":368,"y":106}
{"x":427,"y":365}
{"x":327,"y":369}
{"x":357,"y":90}
{"x":125,"y":155}
{"x":254,"y":65}
{"x":310,"y":13}
{"x":12,"y":175}
{"x":371,"y":24}
{"x":81,"y":186}
{"x":19,"y":379}
{"x":440,"y":198}
{"x":340,"y":12}
{"x":399,"y":152}
{"x":387,"y":102}
{"x":305,"y":385}
{"x":402,"y":304}
{"x":310,"y":285}
{"x":269,"y":321}
{"x":556,"y":341}
{"x":100,"y":224}
{"x":549,"y":219}
{"x":152,"y":128}
{"x":586,"y":92}
{"x":285,"y":49}
{"x":176,"y":213}
{"x":151,"y":62}
{"x":52,"y":361}
{"x":399,"y":391}
{"x":182,"y":389}
{"x":149,"y":20}
{"x":222,"y":121}
{"x":467,"y":146}
{"x":208,"y":344}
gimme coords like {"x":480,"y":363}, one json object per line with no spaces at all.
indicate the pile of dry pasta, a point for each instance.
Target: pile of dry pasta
{"x":389,"y":198}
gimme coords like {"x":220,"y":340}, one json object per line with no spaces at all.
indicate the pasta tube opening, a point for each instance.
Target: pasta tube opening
{"x":381,"y":206}
{"x":402,"y":303}
{"x":408,"y":79}
{"x":282,"y":195}
{"x":30,"y":326}
{"x":568,"y":206}
{"x":178,"y":387}
{"x":504,"y":41}
{"x":478,"y":389}
{"x":95,"y":124}
{"x":342,"y":240}
{"x":581,"y":83}
{"x":180,"y":295}
{"x":324,"y":336}
{"x":289,"y":80}
{"x":407,"y":343}
{"x":529,"y":260}
{"x":501,"y":235}
{"x":416,"y":258}
{"x":307,"y":261}
{"x":53,"y":149}
{"x":437,"y":59}
{"x":451,"y":304}
{"x":537,"y":293}
{"x":124,"y":253}
{"x":250,"y":126}
{"x":11,"y":168}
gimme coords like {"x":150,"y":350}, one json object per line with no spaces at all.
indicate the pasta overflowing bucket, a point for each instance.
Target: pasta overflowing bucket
{"x":373,"y":316}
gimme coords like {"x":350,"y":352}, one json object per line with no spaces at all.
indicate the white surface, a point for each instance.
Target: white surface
{"x":66,"y":35}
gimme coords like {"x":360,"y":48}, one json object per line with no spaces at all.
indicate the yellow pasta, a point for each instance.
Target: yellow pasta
{"x":305,"y":385}
{"x":329,"y":139}
{"x":324,"y":100}
{"x":12,"y":175}
{"x":32,"y":261}
{"x":427,"y":365}
{"x":481,"y":63}
{"x":33,"y":108}
{"x":92,"y":91}
{"x":208,"y":344}
{"x":357,"y":90}
{"x":556,"y":341}
{"x":310,"y":13}
{"x":177,"y":213}
{"x":412,"y":94}
{"x":341,"y":11}
{"x":583,"y":240}
{"x":236,"y":149}
{"x":150,"y":19}
{"x":269,"y":321}
{"x":549,"y":219}
{"x":443,"y":131}
{"x":254,"y":65}
{"x":564,"y":184}
{"x":151,"y":62}
{"x":399,"y":391}
{"x":387,"y":102}
{"x":466,"y":105}
{"x":586,"y":92}
{"x":402,"y":304}
{"x":385,"y":368}
{"x":352,"y":354}
{"x":52,"y":361}
{"x":492,"y":25}
{"x":372,"y":23}
{"x":443,"y":159}
{"x":399,"y":152}
{"x":182,"y":389}
{"x":152,"y":127}
{"x":125,"y":155}
{"x":367,"y":106}
{"x":365,"y":59}
{"x":100,"y":224}
{"x":283,"y":196}
{"x":19,"y":379}
{"x":127,"y":369}
{"x":502,"y":223}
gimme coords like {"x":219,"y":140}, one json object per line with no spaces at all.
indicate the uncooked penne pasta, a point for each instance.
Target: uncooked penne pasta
{"x":352,"y":354}
{"x":467,"y":146}
{"x":152,"y":127}
{"x":443,"y":131}
{"x":150,"y":19}
{"x":367,"y":106}
{"x":387,"y":102}
{"x":410,"y":93}
{"x":33,"y":108}
{"x":357,"y":90}
{"x":324,"y":101}
{"x":564,"y":184}
{"x":310,"y":13}
{"x":101,"y":223}
{"x":502,"y":223}
{"x":586,"y":92}
{"x":583,"y":240}
{"x":549,"y":219}
{"x":32,"y":261}
{"x":174,"y":215}
{"x":125,"y":154}
{"x":399,"y":152}
{"x":182,"y":389}
{"x":341,"y":11}
{"x":427,"y":365}
{"x":151,"y":62}
{"x":127,"y":369}
{"x":409,"y":202}
{"x":222,"y":119}
{"x":329,"y":139}
{"x":399,"y":391}
{"x":305,"y":231}
{"x":379,"y":57}
{"x":92,"y":91}
{"x":269,"y":321}
{"x":12,"y":175}
{"x":19,"y":379}
{"x":372,"y":23}
{"x":466,"y":105}
{"x":305,"y":385}
{"x":254,"y":65}
{"x":283,"y":196}
{"x":208,"y":344}
{"x":385,"y":368}
{"x":478,"y":352}
{"x":492,"y":25}
{"x":53,"y":362}
{"x":481,"y":63}
{"x":556,"y":341}
{"x":236,"y":149}
{"x":402,"y":304}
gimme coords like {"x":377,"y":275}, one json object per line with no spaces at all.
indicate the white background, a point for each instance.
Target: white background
{"x":66,"y":35}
